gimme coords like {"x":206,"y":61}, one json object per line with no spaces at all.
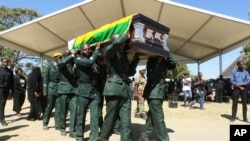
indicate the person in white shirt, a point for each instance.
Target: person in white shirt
{"x":186,"y":88}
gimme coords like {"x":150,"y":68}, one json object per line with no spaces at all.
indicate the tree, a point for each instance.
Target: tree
{"x":246,"y":51}
{"x":11,"y":17}
{"x":178,"y":72}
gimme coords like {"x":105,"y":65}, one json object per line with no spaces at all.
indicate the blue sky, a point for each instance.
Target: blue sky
{"x":235,"y":8}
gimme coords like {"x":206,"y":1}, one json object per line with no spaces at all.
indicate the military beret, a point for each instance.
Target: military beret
{"x":141,"y":69}
{"x":57,"y":54}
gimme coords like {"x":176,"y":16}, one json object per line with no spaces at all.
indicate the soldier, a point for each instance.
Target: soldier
{"x":116,"y":90}
{"x":65,"y":91}
{"x":154,"y":92}
{"x":140,"y":83}
{"x":50,"y":89}
{"x":6,"y":84}
{"x":101,"y":78}
{"x":87,"y":95}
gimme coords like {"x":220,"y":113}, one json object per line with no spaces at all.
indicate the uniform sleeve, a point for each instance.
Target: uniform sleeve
{"x":63,"y":62}
{"x":150,"y":68}
{"x":85,"y":62}
{"x":171,"y":62}
{"x":111,"y":49}
{"x":46,"y":79}
{"x":132,"y":66}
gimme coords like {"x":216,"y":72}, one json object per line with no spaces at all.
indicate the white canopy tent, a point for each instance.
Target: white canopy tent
{"x":196,"y":35}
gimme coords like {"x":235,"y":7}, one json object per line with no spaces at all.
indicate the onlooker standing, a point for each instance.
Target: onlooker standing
{"x":171,"y":86}
{"x":240,"y":79}
{"x":220,"y":88}
{"x":186,"y":88}
{"x":199,"y":88}
{"x":117,"y":90}
{"x":154,"y":92}
{"x":34,"y":92}
{"x":6,"y":84}
{"x":140,"y":83}
{"x":20,"y":84}
{"x":50,"y":89}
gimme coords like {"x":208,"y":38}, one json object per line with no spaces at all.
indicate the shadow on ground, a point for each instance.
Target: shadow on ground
{"x":7,"y":137}
{"x":11,"y":128}
{"x":137,"y":129}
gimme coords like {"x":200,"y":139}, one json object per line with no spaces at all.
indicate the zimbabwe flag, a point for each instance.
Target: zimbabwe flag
{"x":102,"y":34}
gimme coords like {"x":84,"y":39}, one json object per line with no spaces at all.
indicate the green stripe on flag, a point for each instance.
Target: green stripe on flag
{"x":104,"y":33}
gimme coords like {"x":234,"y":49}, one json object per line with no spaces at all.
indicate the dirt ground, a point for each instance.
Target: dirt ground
{"x":183,"y":123}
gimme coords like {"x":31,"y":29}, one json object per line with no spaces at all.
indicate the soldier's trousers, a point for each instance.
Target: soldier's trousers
{"x":117,"y":106}
{"x":68,"y":103}
{"x":52,"y":102}
{"x":155,"y":120}
{"x":83,"y":103}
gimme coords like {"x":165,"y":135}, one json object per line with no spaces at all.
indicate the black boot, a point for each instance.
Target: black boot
{"x":3,"y":122}
{"x":116,"y":131}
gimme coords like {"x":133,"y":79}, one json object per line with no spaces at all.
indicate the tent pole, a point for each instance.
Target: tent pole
{"x":220,"y":61}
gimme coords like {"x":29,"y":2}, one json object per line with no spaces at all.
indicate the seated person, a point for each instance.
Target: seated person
{"x":211,"y":95}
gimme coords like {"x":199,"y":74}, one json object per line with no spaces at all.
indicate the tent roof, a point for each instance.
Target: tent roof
{"x":227,"y":72}
{"x":195,"y":34}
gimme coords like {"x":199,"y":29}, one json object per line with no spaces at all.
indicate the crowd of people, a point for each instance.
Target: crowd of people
{"x":218,"y":90}
{"x":75,"y":83}
{"x":215,"y":90}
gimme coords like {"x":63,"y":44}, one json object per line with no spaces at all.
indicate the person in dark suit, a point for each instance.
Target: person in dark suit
{"x":6,"y":85}
{"x":220,"y":88}
{"x":154,"y":93}
{"x":34,"y":92}
{"x":20,"y":84}
{"x":117,"y":87}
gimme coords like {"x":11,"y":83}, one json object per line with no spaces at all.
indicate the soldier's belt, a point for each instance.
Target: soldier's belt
{"x":85,"y":82}
{"x":55,"y":81}
{"x":64,"y":80}
{"x":122,"y":76}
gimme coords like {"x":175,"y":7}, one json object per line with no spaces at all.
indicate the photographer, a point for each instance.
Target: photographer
{"x":199,"y":90}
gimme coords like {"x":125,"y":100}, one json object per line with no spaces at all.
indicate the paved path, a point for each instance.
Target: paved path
{"x":184,"y":124}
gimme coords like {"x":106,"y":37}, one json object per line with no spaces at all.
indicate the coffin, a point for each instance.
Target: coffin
{"x":150,"y":37}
